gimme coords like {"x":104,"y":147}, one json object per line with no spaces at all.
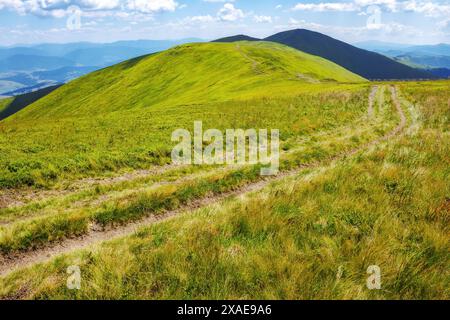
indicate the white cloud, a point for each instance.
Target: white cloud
{"x":201,"y":19}
{"x":59,"y":8}
{"x":151,"y":6}
{"x":327,"y":6}
{"x":384,"y":32}
{"x":262,"y":19}
{"x":425,"y":7}
{"x":230,"y":13}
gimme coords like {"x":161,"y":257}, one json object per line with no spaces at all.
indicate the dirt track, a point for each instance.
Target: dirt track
{"x":97,"y":235}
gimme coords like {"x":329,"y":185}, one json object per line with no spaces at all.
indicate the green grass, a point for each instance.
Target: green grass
{"x":4,"y":102}
{"x":321,"y":114}
{"x":188,"y":74}
{"x":140,"y":203}
{"x":310,"y":236}
{"x":122,"y":117}
{"x":307,"y":237}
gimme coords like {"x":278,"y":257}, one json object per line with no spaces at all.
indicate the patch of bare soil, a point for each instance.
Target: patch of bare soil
{"x":10,"y":198}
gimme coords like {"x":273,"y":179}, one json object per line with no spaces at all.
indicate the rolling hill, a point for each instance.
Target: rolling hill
{"x":189,"y":74}
{"x":239,"y":37}
{"x":10,"y":106}
{"x":87,"y":181}
{"x":365,"y":63}
{"x":23,"y":69}
{"x":123,"y":116}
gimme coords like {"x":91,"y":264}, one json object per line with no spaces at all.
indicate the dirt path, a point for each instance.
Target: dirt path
{"x":254,"y":62}
{"x":20,"y":197}
{"x":97,"y":235}
{"x":372,"y":96}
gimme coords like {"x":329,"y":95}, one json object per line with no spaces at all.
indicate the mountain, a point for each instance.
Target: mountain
{"x":441,"y":72}
{"x":431,"y":50}
{"x":367,"y":64}
{"x":37,"y":87}
{"x":419,"y":56}
{"x":424,"y":61}
{"x":63,"y":74}
{"x":380,"y":46}
{"x":239,"y":37}
{"x":19,"y":82}
{"x":104,"y":56}
{"x":189,"y":74}
{"x":393,"y":49}
{"x":32,"y":63}
{"x":9,"y":52}
{"x":27,"y":68}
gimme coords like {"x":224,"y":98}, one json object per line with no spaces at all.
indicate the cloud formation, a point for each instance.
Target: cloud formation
{"x":427,"y":8}
{"x":58,"y":8}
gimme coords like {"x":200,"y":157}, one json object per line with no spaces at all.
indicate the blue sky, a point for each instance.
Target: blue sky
{"x":401,"y":21}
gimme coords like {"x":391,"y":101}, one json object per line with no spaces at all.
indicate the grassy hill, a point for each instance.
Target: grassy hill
{"x":363,"y":182}
{"x":123,"y":116}
{"x":367,"y":64}
{"x":240,"y":37}
{"x":4,"y":102}
{"x":310,"y":235}
{"x":189,"y":74}
{"x":15,"y":104}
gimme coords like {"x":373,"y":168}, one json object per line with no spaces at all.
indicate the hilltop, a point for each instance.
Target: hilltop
{"x":367,"y":64}
{"x":189,"y":74}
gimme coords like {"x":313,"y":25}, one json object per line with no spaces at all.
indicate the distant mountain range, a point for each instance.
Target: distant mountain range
{"x":434,"y":58}
{"x":27,"y":68}
{"x":370,"y":65}
{"x":394,"y":49}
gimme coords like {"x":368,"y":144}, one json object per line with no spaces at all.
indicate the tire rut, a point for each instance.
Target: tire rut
{"x":96,"y":234}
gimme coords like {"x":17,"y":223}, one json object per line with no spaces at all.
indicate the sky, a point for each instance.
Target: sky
{"x":62,"y":21}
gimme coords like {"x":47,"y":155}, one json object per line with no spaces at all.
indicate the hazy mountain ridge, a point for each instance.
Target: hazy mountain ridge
{"x":421,"y":56}
{"x":25,"y":68}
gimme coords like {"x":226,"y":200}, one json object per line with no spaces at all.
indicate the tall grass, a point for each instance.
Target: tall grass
{"x":312,"y":236}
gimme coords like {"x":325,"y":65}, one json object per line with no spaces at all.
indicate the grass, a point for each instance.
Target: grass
{"x":141,"y":203}
{"x":309,"y":236}
{"x":4,"y":102}
{"x":122,"y":117}
{"x":312,"y":236}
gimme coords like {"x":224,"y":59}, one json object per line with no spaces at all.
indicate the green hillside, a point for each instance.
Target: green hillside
{"x":86,"y":180}
{"x":122,"y":117}
{"x":4,"y":102}
{"x":192,"y":73}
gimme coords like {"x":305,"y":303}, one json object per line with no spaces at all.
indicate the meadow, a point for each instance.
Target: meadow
{"x":364,"y":181}
{"x":113,"y":119}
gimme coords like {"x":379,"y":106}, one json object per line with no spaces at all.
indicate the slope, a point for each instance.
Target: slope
{"x":189,"y":74}
{"x":365,"y":63}
{"x":122,"y":117}
{"x":240,"y":37}
{"x":15,"y":104}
